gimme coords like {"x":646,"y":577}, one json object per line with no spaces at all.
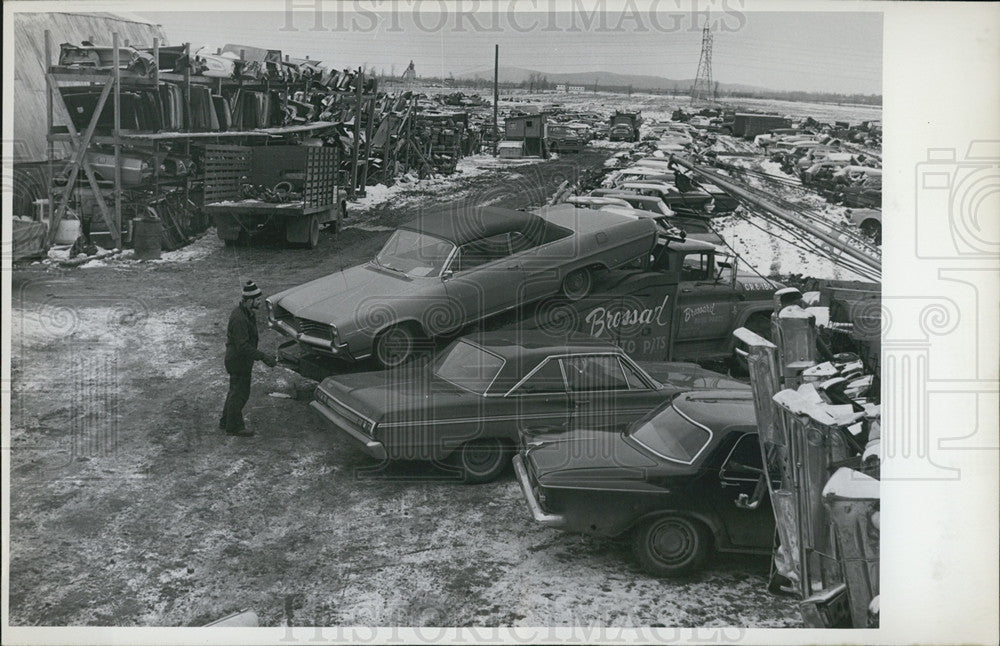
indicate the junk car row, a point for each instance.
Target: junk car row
{"x":556,"y":340}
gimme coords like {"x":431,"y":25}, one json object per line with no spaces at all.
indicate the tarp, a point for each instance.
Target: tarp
{"x":28,"y":239}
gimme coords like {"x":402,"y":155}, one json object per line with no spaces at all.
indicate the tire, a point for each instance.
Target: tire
{"x":671,"y":545}
{"x":482,"y":460}
{"x":577,"y":284}
{"x":313,"y":233}
{"x":394,"y":346}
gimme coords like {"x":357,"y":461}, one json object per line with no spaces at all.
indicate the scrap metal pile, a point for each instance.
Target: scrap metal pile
{"x":819,"y":423}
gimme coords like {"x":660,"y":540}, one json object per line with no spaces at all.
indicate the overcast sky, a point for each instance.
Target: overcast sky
{"x":837,"y":52}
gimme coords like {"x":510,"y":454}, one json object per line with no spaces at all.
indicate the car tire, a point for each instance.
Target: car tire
{"x":671,"y":545}
{"x":577,"y":283}
{"x":395,"y":346}
{"x":482,"y":460}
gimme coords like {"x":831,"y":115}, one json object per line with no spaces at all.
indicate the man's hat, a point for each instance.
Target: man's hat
{"x":250,"y":290}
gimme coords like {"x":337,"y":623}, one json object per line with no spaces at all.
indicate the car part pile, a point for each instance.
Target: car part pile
{"x":819,"y":419}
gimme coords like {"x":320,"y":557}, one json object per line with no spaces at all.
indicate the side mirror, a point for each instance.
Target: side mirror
{"x":446,"y":274}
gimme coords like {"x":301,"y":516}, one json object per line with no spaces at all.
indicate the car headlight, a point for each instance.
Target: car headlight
{"x":270,"y":310}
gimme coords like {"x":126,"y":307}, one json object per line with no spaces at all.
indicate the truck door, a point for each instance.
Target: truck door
{"x":706,"y":302}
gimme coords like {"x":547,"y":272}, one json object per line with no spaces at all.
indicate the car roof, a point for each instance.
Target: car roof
{"x":537,"y":344}
{"x":466,"y":225}
{"x":717,"y":409}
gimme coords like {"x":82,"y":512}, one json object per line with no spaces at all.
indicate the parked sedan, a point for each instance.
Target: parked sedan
{"x":446,"y":270}
{"x":680,"y":481}
{"x":465,"y":409}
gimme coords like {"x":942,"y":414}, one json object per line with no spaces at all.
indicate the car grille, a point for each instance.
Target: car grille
{"x":358,"y":420}
{"x":313,"y":328}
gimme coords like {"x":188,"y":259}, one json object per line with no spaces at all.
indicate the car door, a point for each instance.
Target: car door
{"x":483,"y":278}
{"x":605,"y":393}
{"x":735,"y":485}
{"x":540,"y":400}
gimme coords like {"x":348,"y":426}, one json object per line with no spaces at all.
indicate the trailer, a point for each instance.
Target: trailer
{"x":749,"y":126}
{"x":288,"y":189}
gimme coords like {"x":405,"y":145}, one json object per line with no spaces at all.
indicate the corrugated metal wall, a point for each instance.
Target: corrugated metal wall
{"x":29,"y":65}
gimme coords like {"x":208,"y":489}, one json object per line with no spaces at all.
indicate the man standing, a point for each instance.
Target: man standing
{"x":241,"y":352}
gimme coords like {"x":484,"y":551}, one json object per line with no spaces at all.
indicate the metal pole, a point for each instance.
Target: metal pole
{"x":496,"y":94}
{"x":117,"y":138}
{"x":871,"y":268}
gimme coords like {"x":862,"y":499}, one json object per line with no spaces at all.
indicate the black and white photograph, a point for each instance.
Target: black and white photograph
{"x":514,"y":321}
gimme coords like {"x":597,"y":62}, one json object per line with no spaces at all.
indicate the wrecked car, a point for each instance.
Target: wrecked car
{"x":464,"y":410}
{"x":681,"y":481}
{"x":446,"y":270}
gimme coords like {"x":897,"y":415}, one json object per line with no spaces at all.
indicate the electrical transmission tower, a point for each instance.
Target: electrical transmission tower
{"x":702,"y":88}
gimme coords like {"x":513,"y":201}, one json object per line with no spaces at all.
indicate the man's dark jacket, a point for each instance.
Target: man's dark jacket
{"x":241,"y":341}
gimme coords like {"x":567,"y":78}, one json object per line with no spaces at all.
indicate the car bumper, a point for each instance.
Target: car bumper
{"x":552,"y":520}
{"x":371,"y":446}
{"x":312,"y":343}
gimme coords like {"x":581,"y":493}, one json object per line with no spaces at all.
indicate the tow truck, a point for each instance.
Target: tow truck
{"x":681,"y":304}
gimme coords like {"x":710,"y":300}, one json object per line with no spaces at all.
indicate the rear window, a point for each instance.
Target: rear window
{"x":672,"y":436}
{"x":468,"y":366}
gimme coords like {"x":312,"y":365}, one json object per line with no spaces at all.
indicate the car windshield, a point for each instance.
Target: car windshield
{"x":414,"y":253}
{"x":468,"y":366}
{"x":671,"y":435}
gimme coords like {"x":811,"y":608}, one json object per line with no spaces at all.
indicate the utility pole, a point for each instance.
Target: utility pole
{"x":703,"y":80}
{"x":496,"y":93}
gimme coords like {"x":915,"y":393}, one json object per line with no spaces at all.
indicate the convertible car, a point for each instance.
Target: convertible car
{"x":447,"y":270}
{"x":681,"y":480}
{"x":466,"y":408}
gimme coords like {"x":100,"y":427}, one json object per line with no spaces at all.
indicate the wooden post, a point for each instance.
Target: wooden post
{"x":368,"y":138}
{"x":117,"y":137}
{"x":496,"y":94}
{"x":357,"y":131}
{"x":49,"y":147}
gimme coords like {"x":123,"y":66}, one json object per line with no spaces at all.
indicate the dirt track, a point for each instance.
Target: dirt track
{"x":128,"y":507}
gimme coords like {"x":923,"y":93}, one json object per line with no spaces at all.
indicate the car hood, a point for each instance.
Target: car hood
{"x":586,"y":456}
{"x":330,"y":297}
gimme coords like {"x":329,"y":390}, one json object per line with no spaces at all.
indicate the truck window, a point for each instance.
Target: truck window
{"x":697,"y":266}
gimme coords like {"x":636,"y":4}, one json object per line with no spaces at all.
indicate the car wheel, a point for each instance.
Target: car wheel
{"x":482,"y":460}
{"x":671,"y":545}
{"x":394,"y":347}
{"x":577,"y":284}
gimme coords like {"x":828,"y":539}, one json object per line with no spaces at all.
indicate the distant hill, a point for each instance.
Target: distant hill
{"x":604,"y":79}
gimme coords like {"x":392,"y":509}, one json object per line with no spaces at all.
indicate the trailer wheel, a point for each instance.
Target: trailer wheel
{"x":313,"y":232}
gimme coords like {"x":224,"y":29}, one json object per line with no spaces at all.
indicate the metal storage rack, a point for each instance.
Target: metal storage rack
{"x":115,"y":79}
